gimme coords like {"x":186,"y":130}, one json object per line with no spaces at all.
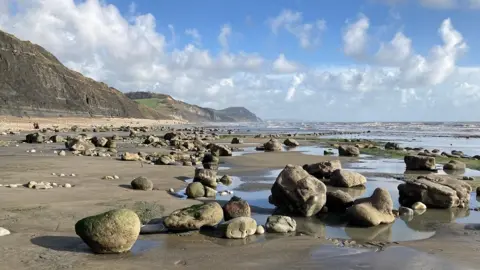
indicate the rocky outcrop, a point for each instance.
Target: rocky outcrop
{"x":112,"y":232}
{"x":291,"y":143}
{"x":454,"y":165}
{"x":372,"y":211}
{"x":435,"y":191}
{"x":142,"y":183}
{"x":297,"y":191}
{"x":419,"y":163}
{"x":272,"y":145}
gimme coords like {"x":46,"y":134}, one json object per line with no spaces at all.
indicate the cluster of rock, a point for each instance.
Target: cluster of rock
{"x":205,"y":184}
{"x":331,"y":173}
{"x":39,"y":185}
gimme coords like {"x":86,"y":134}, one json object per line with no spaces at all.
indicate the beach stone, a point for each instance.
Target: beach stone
{"x":348,"y":151}
{"x":4,"y":231}
{"x":142,"y":183}
{"x":195,"y":190}
{"x":338,"y":201}
{"x":435,"y":191}
{"x":297,"y":191}
{"x":67,"y":185}
{"x":344,"y":178}
{"x":169,"y":136}
{"x":164,"y":160}
{"x":372,"y":211}
{"x":236,"y":141}
{"x":62,"y":153}
{"x":31,"y":184}
{"x":272,"y":145}
{"x":236,"y":207}
{"x":34,"y":138}
{"x":111,"y":232}
{"x":291,"y":142}
{"x":210,"y":162}
{"x":280,"y":224}
{"x":260,"y":230}
{"x":130,"y":156}
{"x":80,"y":145}
{"x":239,"y":228}
{"x":220,"y":150}
{"x":478,"y":191}
{"x":210,"y":192}
{"x":405,"y":211}
{"x":226,"y":180}
{"x":323,"y":170}
{"x":57,"y":139}
{"x":99,"y":141}
{"x":206,"y":177}
{"x":153,"y":228}
{"x":419,"y":163}
{"x":454,"y":165}
{"x":328,"y":153}
{"x":194,"y":217}
{"x":419,"y":206}
{"x":392,"y":146}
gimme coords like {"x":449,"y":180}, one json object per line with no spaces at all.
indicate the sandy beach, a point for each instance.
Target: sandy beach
{"x":42,"y":221}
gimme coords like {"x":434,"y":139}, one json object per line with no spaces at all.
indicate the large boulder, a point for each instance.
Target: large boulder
{"x":419,"y":163}
{"x":34,"y":138}
{"x":195,"y":190}
{"x":392,"y":146}
{"x":235,"y":208}
{"x":239,"y":228}
{"x":280,"y":224}
{"x":195,"y":217}
{"x":170,"y":136}
{"x":297,"y":191}
{"x":454,"y":165}
{"x":79,"y":144}
{"x":291,"y":142}
{"x":210,"y":161}
{"x":57,"y":139}
{"x":112,"y":232}
{"x":206,"y":177}
{"x":338,"y":201}
{"x":344,"y":178}
{"x":236,"y":141}
{"x":324,"y":169}
{"x":99,"y":141}
{"x":435,"y":191}
{"x":348,"y":151}
{"x":372,"y":211}
{"x":272,"y":145}
{"x":142,"y":183}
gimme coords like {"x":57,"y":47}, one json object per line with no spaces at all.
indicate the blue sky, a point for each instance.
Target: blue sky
{"x":350,"y":60}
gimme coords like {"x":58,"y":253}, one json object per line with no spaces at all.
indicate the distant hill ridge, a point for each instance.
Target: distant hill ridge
{"x":165,"y":104}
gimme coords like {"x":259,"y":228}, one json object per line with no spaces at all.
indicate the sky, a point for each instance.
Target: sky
{"x":329,"y":60}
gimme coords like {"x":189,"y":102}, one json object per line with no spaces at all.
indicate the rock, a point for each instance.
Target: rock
{"x":239,"y":228}
{"x":323,"y":169}
{"x":372,"y":211}
{"x":348,"y":151}
{"x":112,"y":232}
{"x":99,"y":141}
{"x":454,"y":165}
{"x":468,"y":178}
{"x":478,"y":191}
{"x":210,"y":192}
{"x":194,"y":217}
{"x":4,"y":231}
{"x":280,"y":224}
{"x":34,"y":138}
{"x":328,"y":153}
{"x":31,"y":184}
{"x":226,"y":180}
{"x":338,"y":201}
{"x":419,"y":163}
{"x":344,"y":178}
{"x":260,"y":230}
{"x":57,"y":139}
{"x":164,"y":160}
{"x":272,"y":145}
{"x":392,"y":146}
{"x":195,"y":190}
{"x":80,"y":145}
{"x":130,"y":156}
{"x":236,"y":207}
{"x":298,"y":192}
{"x":236,"y":141}
{"x":67,"y":185}
{"x":220,"y":150}
{"x":62,"y":153}
{"x":142,"y":183}
{"x":153,"y":228}
{"x":435,"y":191}
{"x":419,"y":206}
{"x":108,"y":177}
{"x":169,"y":136}
{"x":210,"y":162}
{"x":206,"y":177}
{"x":405,"y":211}
{"x":291,"y":143}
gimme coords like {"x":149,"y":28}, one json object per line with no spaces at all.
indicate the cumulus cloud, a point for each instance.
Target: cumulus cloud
{"x":308,"y":34}
{"x":127,"y":52}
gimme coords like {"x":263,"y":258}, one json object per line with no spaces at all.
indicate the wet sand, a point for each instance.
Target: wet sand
{"x":43,"y":237}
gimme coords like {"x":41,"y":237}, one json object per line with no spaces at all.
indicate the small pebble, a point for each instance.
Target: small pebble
{"x":73,"y":175}
{"x":4,"y":231}
{"x":260,"y":230}
{"x":62,"y":175}
{"x":13,"y":186}
{"x":108,"y":177}
{"x":54,"y":184}
{"x":116,"y":177}
{"x":54,"y":174}
{"x":33,"y":151}
{"x":171,"y":190}
{"x":55,"y":152}
{"x":67,"y":185}
{"x":62,"y":153}
{"x":223,"y":193}
{"x":16,"y":145}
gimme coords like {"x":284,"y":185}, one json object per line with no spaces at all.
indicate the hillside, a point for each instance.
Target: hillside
{"x":165,"y":104}
{"x":33,"y":82}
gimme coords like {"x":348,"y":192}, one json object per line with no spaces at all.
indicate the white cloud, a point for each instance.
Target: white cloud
{"x":225,"y":32}
{"x":393,"y":83}
{"x":355,"y":37}
{"x":282,"y":65}
{"x":308,"y":34}
{"x":441,"y":4}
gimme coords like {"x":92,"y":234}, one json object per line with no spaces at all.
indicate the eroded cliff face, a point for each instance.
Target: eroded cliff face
{"x":33,"y":82}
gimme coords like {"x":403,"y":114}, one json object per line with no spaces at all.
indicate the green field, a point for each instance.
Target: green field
{"x":153,"y":103}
